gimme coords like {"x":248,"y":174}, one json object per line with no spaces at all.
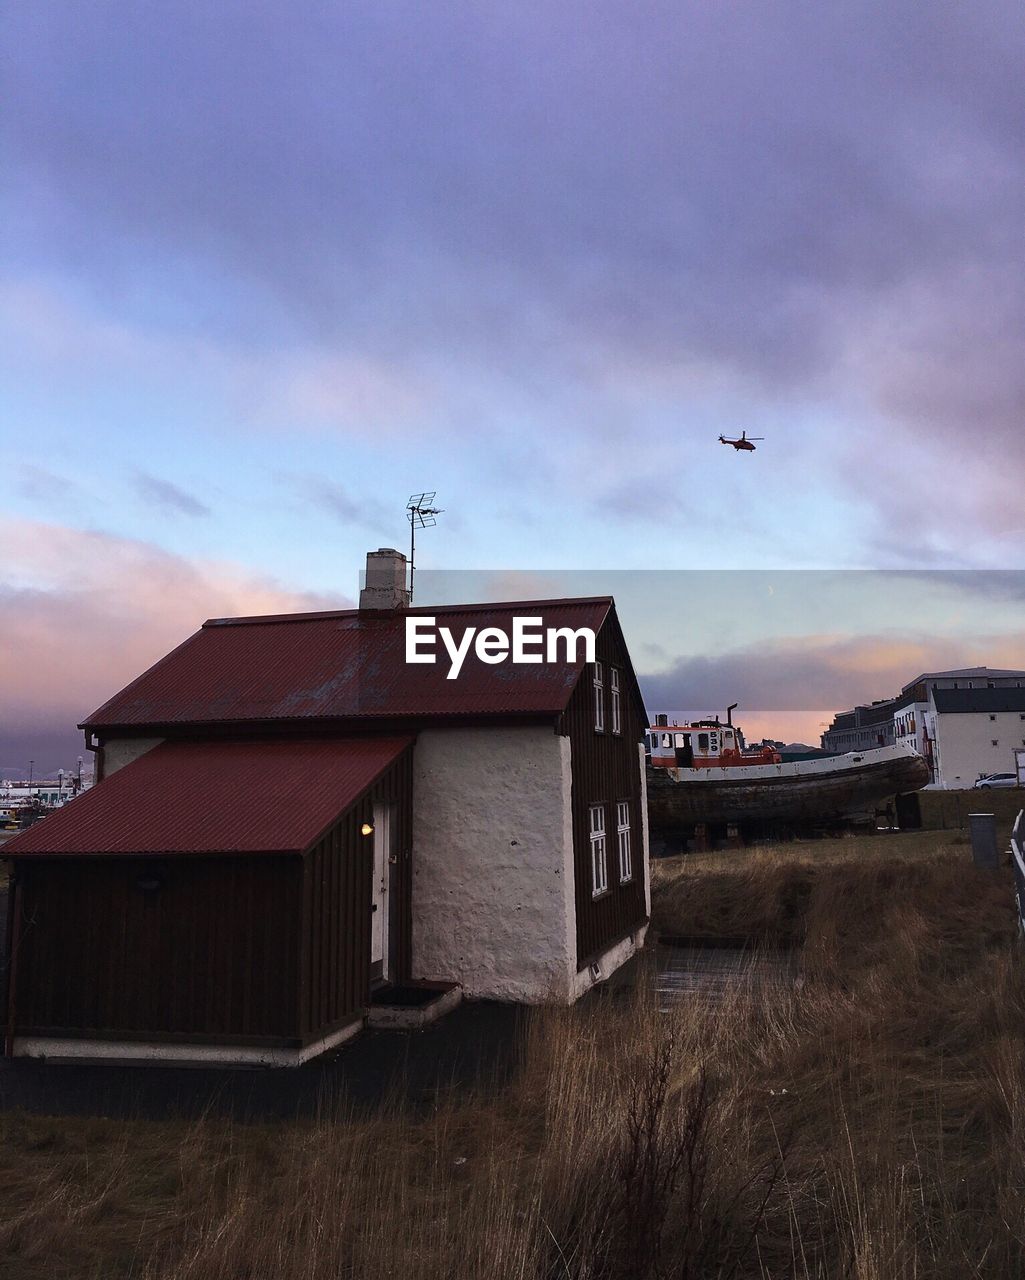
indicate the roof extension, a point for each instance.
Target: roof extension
{"x":275,"y":796}
{"x":339,"y":666}
{"x":967,"y":701}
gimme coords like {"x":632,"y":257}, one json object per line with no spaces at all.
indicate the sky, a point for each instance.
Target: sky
{"x":268,"y":269}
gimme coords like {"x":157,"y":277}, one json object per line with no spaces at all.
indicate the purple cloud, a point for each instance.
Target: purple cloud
{"x":817,"y":207}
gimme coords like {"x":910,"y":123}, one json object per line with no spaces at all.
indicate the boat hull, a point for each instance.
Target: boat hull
{"x":802,"y":792}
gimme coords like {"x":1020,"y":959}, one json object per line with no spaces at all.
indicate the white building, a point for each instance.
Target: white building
{"x":965,"y":722}
{"x":979,"y":728}
{"x":976,"y":732}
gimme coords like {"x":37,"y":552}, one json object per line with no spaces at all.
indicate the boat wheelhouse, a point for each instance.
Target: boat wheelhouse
{"x":702,"y":744}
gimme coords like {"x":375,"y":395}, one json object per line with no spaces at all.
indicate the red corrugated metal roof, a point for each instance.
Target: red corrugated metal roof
{"x":331,"y":666}
{"x":216,"y":797}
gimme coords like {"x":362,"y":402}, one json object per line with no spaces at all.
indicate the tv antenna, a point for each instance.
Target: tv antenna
{"x":422,"y":514}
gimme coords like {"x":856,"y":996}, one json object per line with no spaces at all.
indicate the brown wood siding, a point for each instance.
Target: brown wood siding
{"x":210,"y":955}
{"x":606,"y":769}
{"x":335,"y":958}
{"x":263,"y":950}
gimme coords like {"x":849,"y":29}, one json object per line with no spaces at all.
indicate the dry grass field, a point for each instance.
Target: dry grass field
{"x":869,"y":1123}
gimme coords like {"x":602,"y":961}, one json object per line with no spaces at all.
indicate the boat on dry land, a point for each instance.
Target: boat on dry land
{"x":702,"y":773}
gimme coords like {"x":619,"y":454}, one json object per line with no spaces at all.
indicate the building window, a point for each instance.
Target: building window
{"x":626,"y":869}
{"x":599,"y":698}
{"x":992,"y":717}
{"x":617,"y":725}
{"x":995,"y":742}
{"x":599,"y":867}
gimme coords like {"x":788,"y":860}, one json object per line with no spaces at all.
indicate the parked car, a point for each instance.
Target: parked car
{"x":997,"y":780}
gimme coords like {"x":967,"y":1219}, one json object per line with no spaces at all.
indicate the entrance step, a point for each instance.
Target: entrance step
{"x":409,"y":1005}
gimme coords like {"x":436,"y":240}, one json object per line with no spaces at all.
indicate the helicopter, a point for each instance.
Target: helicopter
{"x":743,"y":443}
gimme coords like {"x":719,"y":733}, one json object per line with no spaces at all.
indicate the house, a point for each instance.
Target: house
{"x":291,"y":817}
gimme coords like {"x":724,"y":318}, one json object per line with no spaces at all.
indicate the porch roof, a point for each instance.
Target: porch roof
{"x":215,"y":797}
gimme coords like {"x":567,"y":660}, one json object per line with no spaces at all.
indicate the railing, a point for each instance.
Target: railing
{"x":1018,"y":862}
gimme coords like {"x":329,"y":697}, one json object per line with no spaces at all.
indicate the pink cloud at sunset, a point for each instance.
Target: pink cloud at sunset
{"x":85,"y":612}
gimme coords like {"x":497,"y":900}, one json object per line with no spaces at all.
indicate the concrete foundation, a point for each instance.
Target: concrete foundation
{"x":154,"y":1053}
{"x":400,"y":1017}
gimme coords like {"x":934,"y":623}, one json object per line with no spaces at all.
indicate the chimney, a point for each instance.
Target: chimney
{"x":386,"y":581}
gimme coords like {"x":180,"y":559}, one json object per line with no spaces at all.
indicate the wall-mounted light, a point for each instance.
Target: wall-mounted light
{"x":367,"y":829}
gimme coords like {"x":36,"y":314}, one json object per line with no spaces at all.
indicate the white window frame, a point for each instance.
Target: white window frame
{"x":626,"y":866}
{"x":599,"y":698}
{"x":599,"y":858}
{"x":617,"y":720}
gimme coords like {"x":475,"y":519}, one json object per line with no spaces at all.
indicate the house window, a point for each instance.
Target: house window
{"x":995,"y":742}
{"x":599,"y":867}
{"x":599,"y":699}
{"x":617,"y":725}
{"x":626,"y":870}
{"x":992,"y":717}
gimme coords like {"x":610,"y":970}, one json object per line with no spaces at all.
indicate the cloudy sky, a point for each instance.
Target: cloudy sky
{"x":267,"y":269}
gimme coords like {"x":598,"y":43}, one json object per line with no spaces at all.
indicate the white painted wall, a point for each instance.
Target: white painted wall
{"x":922,"y":722}
{"x":493,"y":894}
{"x":965,"y":745}
{"x":117,"y":752}
{"x":493,"y":903}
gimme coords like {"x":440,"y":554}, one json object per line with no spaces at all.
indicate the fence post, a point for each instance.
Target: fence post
{"x":1018,"y":863}
{"x":983,"y":827}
